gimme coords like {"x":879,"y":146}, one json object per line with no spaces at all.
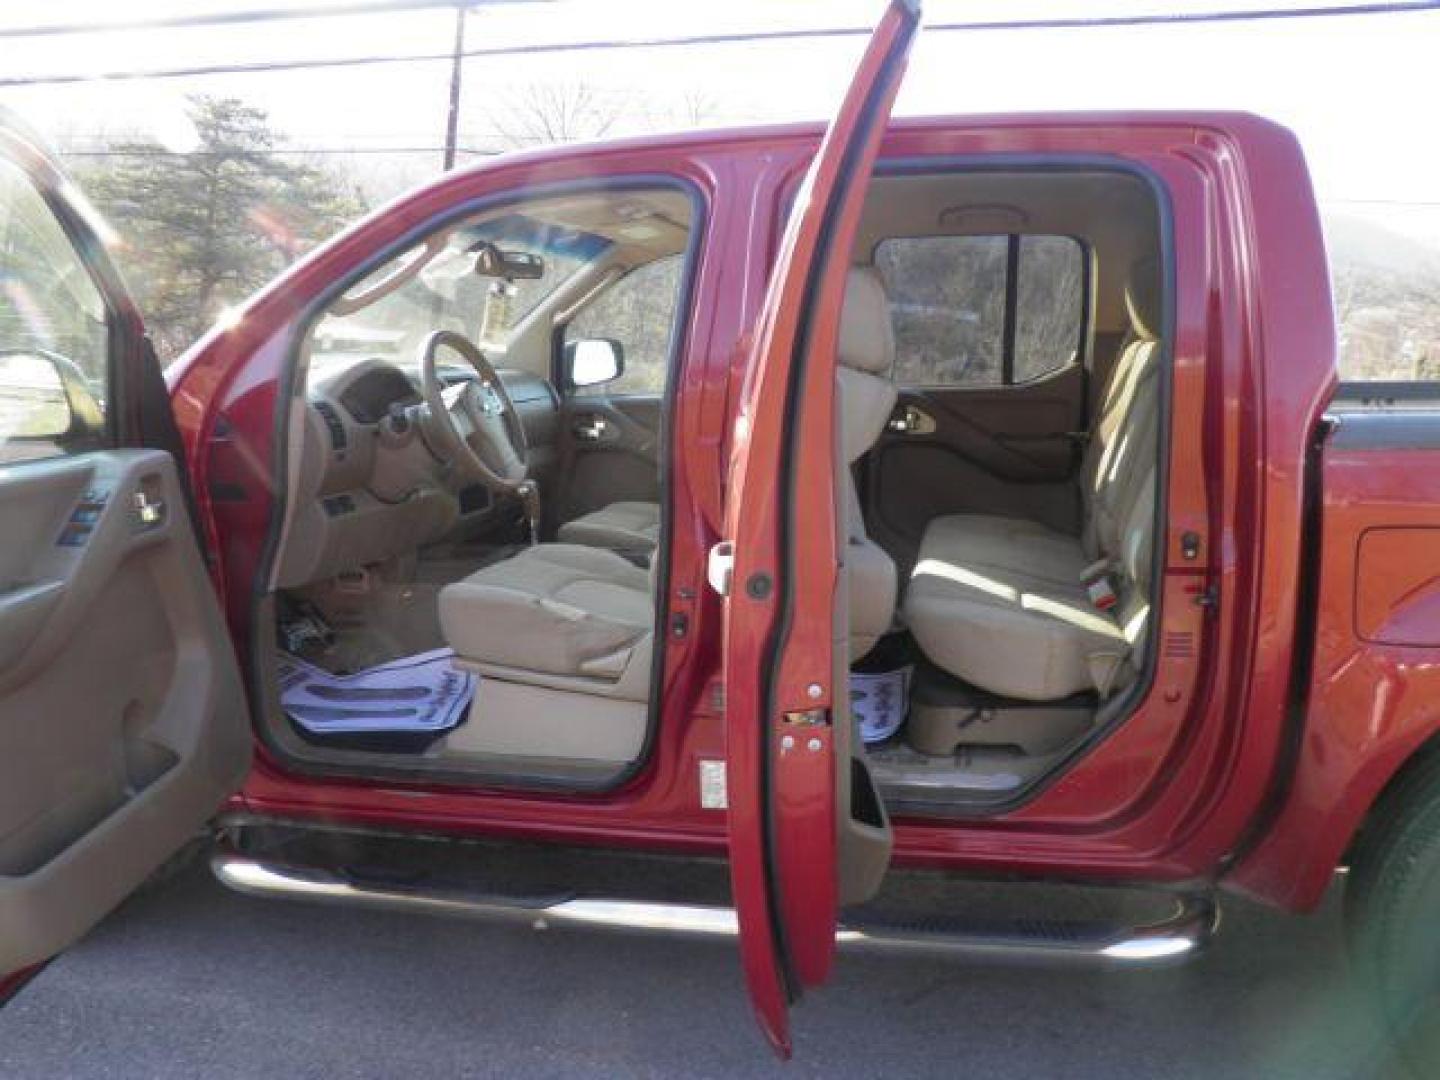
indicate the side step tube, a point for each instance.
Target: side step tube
{"x":1172,"y":940}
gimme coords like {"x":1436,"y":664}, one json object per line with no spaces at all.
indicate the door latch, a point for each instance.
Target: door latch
{"x":912,"y":421}
{"x":720,"y":567}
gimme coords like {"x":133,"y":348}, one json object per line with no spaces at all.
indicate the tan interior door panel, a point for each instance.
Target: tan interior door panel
{"x":612,"y":452}
{"x":123,"y":721}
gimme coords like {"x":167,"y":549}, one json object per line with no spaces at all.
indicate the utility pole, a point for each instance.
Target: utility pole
{"x":457,"y":66}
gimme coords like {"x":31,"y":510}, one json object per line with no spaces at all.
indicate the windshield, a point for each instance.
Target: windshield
{"x":433,"y":286}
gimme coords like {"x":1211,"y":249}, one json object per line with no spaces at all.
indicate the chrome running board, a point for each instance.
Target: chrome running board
{"x":1171,"y":940}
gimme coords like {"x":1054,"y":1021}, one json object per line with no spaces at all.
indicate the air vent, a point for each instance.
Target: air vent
{"x":1179,"y":645}
{"x":333,"y":422}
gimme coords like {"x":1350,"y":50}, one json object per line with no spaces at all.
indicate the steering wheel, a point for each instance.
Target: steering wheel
{"x":474,"y":421}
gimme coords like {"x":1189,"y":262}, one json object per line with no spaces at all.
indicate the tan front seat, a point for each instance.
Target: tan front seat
{"x":563,"y":634}
{"x":556,"y":614}
{"x":629,"y":527}
{"x":866,"y":398}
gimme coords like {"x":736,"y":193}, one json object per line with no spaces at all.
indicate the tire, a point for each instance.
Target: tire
{"x":1392,"y":915}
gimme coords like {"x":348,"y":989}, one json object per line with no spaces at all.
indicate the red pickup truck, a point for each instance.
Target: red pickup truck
{"x":969,"y":494}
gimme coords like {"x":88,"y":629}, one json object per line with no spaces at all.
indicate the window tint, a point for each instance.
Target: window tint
{"x":1049,"y":305}
{"x":53,"y":340}
{"x":638,"y":311}
{"x":948,"y":303}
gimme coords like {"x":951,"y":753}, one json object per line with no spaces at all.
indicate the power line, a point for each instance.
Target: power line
{"x":241,"y":17}
{"x":1163,"y":18}
{"x":318,"y":151}
{"x":380,"y":7}
{"x":1379,"y":202}
{"x":738,"y":38}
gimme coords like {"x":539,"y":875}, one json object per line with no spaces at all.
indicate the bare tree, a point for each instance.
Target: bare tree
{"x":696,"y":106}
{"x":541,"y":113}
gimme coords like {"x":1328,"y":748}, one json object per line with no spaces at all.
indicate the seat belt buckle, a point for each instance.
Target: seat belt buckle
{"x":1102,"y":592}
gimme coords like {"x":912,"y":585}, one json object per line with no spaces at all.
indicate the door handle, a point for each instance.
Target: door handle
{"x":148,"y":512}
{"x":592,"y":429}
{"x":912,"y":421}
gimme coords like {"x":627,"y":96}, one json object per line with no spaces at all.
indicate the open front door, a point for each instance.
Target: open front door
{"x":123,"y":722}
{"x":799,"y":844}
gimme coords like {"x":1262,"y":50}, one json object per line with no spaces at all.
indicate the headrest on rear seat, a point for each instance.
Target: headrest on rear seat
{"x":867,"y":343}
{"x":1143,"y":301}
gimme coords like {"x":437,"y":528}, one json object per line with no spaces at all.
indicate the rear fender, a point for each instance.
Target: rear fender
{"x":1374,"y":687}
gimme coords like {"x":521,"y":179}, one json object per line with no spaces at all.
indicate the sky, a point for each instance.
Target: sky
{"x":1359,"y":90}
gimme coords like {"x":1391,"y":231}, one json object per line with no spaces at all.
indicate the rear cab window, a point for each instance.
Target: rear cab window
{"x":984,"y":311}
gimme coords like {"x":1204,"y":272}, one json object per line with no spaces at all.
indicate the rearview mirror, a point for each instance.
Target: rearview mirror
{"x":592,"y":361}
{"x":491,"y":261}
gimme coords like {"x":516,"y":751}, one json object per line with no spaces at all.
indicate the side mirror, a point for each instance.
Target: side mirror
{"x":592,"y":361}
{"x":45,"y":398}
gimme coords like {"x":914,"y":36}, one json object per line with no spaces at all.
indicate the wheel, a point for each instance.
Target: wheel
{"x":1392,"y":915}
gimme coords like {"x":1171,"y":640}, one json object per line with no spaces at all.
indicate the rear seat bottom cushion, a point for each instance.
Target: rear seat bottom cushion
{"x":1028,"y":633}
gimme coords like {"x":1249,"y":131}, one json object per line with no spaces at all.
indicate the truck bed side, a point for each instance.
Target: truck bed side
{"x":1372,"y":698}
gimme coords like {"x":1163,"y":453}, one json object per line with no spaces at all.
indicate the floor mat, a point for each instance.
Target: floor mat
{"x":416,"y":698}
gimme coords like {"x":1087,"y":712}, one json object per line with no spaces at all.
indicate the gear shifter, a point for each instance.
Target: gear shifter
{"x":529,"y":493}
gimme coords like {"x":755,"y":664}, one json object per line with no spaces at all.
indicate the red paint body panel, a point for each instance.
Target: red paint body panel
{"x":1397,"y":586}
{"x":1371,"y":704}
{"x":1169,"y":794}
{"x":779,"y":640}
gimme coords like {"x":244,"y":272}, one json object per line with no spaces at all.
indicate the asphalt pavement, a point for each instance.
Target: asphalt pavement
{"x":191,"y":980}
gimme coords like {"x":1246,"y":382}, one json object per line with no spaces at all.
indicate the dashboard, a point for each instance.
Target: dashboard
{"x":366,"y":489}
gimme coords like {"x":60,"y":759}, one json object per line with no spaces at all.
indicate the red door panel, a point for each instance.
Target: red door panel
{"x":780,"y":658}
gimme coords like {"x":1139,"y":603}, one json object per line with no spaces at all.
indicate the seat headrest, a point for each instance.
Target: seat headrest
{"x":867,"y":342}
{"x":1143,"y":299}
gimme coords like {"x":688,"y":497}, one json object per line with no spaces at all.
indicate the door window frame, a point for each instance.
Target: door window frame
{"x":1135,"y":696}
{"x":259,"y":671}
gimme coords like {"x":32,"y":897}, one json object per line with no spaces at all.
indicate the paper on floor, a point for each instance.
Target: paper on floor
{"x":415,"y":693}
{"x":879,"y":701}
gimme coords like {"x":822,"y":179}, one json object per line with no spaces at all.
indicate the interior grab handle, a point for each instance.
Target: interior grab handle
{"x":149,"y":512}
{"x":912,"y":421}
{"x":592,"y":429}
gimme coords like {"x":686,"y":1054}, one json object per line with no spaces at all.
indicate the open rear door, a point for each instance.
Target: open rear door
{"x":799,"y":844}
{"x":123,"y":722}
